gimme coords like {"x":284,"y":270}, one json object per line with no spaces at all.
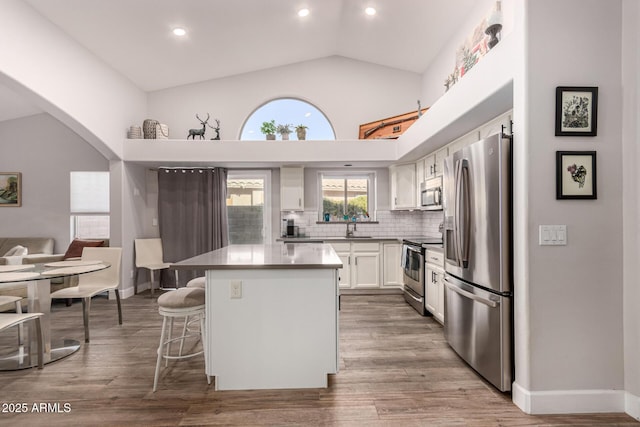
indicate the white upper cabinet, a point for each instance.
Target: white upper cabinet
{"x":403,"y":186}
{"x":291,"y":189}
{"x":434,"y":163}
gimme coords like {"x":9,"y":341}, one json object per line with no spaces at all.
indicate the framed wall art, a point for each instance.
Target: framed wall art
{"x":576,"y":175}
{"x":10,"y":189}
{"x":576,"y":111}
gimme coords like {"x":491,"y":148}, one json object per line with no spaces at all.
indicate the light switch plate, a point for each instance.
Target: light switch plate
{"x":552,"y":235}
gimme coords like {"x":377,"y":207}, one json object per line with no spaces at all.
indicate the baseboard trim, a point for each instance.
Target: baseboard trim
{"x":570,"y":401}
{"x":372,"y":291}
{"x":129,"y":292}
{"x":632,"y":405}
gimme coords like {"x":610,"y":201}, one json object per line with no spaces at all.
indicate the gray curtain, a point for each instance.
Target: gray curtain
{"x":192,"y":215}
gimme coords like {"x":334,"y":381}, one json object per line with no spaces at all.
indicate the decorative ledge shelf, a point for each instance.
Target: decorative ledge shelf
{"x":348,"y":222}
{"x":172,"y":152}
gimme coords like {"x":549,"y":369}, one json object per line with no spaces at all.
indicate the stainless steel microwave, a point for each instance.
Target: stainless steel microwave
{"x":431,"y":194}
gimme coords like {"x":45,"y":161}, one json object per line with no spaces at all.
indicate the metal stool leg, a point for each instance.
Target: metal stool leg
{"x":160,"y":350}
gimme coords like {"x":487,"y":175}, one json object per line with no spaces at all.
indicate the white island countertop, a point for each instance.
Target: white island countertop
{"x":273,"y":256}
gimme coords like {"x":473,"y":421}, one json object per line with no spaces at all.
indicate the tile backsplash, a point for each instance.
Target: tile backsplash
{"x":388,"y":224}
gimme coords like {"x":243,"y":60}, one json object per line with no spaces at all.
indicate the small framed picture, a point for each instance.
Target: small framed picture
{"x":576,"y":175}
{"x":10,"y":189}
{"x":576,"y":111}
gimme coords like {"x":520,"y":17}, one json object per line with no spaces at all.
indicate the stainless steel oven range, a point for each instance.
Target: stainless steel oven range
{"x":413,"y":249}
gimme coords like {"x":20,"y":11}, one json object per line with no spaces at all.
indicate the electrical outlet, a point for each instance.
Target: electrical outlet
{"x":235,"y":289}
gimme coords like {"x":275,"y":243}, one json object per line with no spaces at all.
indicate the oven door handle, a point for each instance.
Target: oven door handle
{"x":454,"y":288}
{"x":412,"y":297}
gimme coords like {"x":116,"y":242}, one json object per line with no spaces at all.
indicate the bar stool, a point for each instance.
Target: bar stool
{"x":180,"y":303}
{"x":198,"y":282}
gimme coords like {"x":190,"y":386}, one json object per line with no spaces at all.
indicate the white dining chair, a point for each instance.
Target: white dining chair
{"x":149,"y":256}
{"x":10,"y":299}
{"x":97,"y":282}
{"x":8,"y":320}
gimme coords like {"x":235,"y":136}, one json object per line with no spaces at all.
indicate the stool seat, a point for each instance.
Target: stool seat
{"x":182,"y":298}
{"x":180,"y":303}
{"x":198,"y":282}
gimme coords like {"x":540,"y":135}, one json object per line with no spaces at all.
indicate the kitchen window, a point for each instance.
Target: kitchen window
{"x":351,"y":194}
{"x":249,"y":206}
{"x":294,"y":112}
{"x":89,"y":205}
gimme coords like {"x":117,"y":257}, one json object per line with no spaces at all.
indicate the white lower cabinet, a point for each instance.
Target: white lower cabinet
{"x":434,"y":284}
{"x":391,"y":268}
{"x":343,"y":250}
{"x":360,"y":265}
{"x":365,"y":270}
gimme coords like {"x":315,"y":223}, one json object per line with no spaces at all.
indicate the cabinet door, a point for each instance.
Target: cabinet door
{"x":464,"y":141}
{"x":439,"y":314}
{"x":366,"y":268}
{"x":430,"y":166}
{"x":403,"y":186}
{"x":431,"y":289}
{"x":292,"y":189}
{"x":419,"y":179}
{"x":439,"y":160}
{"x":501,"y":123}
{"x":391,"y":270}
{"x":344,"y":273}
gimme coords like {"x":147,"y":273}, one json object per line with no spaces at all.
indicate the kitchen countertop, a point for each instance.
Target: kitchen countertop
{"x":337,"y":239}
{"x":275,"y":256}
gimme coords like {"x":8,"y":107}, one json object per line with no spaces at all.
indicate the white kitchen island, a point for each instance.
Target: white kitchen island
{"x":272,"y":315}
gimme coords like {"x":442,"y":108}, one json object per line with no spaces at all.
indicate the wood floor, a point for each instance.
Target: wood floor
{"x":396,"y":370}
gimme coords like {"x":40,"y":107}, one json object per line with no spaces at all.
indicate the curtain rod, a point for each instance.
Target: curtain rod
{"x":186,"y":168}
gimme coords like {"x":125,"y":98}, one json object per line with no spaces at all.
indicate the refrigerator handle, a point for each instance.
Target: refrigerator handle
{"x":454,"y":288}
{"x":465,"y":237}
{"x":456,"y":213}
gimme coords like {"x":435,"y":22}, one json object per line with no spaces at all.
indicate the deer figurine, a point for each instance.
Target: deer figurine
{"x":217,"y":129}
{"x":199,"y":132}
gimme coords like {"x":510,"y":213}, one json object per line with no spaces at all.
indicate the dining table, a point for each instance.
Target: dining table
{"x":37,"y":278}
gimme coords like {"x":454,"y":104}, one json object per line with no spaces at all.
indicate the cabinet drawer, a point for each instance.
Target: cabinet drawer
{"x":366,"y":247}
{"x":341,"y":247}
{"x":434,"y":257}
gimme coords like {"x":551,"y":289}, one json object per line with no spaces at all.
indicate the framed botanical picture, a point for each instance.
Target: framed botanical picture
{"x":576,"y":111}
{"x":10,"y":189}
{"x":576,"y":175}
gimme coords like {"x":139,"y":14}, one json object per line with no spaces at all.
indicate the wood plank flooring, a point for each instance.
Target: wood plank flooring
{"x":395,"y":370}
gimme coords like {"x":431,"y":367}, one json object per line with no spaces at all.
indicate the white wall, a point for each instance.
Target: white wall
{"x":571,"y":356}
{"x":64,"y":79}
{"x":348,"y":92}
{"x":443,"y":65}
{"x":44,"y":151}
{"x":631,"y":201}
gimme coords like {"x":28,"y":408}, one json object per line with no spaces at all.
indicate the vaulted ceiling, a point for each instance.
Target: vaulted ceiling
{"x":228,"y":37}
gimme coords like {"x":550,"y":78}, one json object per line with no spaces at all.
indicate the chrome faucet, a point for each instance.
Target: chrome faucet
{"x":349,"y":231}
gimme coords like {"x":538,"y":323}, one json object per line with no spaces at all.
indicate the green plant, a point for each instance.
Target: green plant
{"x":268,"y":128}
{"x":284,"y":129}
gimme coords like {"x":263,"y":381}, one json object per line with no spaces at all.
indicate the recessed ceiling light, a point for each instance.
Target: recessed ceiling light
{"x":303,"y":12}
{"x":370,"y":11}
{"x":179,"y":32}
{"x":307,"y":114}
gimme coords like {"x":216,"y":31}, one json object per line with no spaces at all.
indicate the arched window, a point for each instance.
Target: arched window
{"x":291,"y":111}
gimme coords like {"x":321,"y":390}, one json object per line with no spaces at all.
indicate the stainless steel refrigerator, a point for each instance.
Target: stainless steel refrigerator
{"x":478,"y":321}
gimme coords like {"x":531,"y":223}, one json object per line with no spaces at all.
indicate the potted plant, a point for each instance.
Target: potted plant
{"x":269,"y":129}
{"x":284,"y":130}
{"x":301,"y":132}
